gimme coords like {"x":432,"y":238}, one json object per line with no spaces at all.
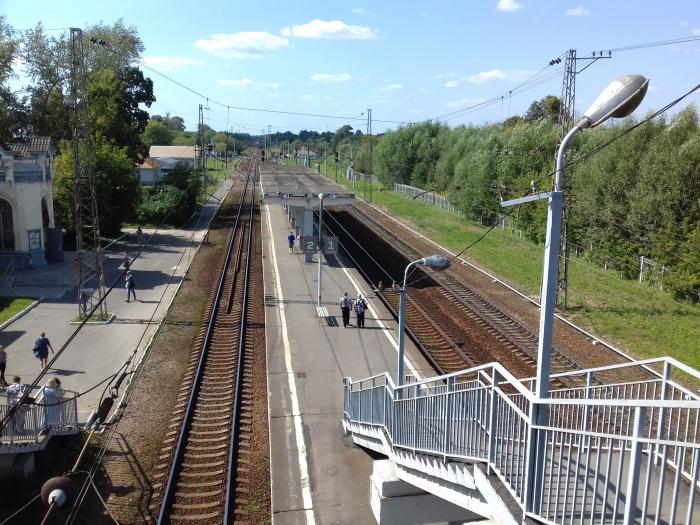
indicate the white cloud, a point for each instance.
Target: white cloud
{"x":423,"y":91}
{"x":246,"y":44}
{"x":696,"y":31}
{"x":416,"y":111}
{"x":359,"y":11}
{"x":330,"y":29}
{"x":464,"y":102}
{"x":325,"y":78}
{"x":578,"y":11}
{"x":452,"y":84}
{"x":392,"y":88}
{"x":684,"y":24}
{"x":170,"y":63}
{"x":509,"y":5}
{"x":497,"y":74}
{"x":248,"y":83}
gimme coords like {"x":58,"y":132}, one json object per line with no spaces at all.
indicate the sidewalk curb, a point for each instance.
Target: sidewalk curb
{"x":20,"y":314}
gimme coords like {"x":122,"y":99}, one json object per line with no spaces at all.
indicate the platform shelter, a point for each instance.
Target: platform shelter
{"x":298,"y":190}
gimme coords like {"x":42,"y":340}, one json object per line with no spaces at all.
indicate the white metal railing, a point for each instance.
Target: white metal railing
{"x":572,"y":458}
{"x":426,"y":196}
{"x":60,"y":416}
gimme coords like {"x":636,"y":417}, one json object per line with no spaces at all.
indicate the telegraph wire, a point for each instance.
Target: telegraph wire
{"x":264,"y":110}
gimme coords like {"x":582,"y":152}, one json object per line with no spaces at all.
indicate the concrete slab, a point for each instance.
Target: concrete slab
{"x":100,"y":350}
{"x":318,"y":476}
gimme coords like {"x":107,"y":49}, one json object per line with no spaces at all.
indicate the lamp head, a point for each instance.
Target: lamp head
{"x":619,"y":99}
{"x":436,"y":261}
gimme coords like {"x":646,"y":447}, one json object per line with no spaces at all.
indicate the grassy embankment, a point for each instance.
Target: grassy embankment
{"x":639,"y":319}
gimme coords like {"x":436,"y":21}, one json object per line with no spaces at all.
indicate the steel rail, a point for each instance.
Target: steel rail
{"x":173,"y":475}
{"x":229,"y":510}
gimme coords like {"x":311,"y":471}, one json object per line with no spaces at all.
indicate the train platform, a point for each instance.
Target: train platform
{"x":99,"y":350}
{"x":318,"y":475}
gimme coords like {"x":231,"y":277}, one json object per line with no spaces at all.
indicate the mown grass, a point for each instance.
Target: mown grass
{"x":11,"y":306}
{"x":641,"y":320}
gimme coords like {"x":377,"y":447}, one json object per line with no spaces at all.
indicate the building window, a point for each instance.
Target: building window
{"x":7,"y":227}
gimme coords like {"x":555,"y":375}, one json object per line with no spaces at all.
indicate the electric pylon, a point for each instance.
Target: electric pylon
{"x":566,"y":121}
{"x":90,"y":279}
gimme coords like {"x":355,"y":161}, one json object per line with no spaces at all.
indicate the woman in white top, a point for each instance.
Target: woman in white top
{"x":51,"y":397}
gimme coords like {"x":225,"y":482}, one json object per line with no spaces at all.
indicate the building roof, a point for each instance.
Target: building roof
{"x":148,"y":164}
{"x":176,"y":152}
{"x":32,"y":146}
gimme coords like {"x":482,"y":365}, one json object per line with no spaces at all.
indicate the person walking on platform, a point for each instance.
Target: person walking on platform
{"x":345,"y":305}
{"x":41,"y":350}
{"x":290,"y":239}
{"x":130,"y":285}
{"x":360,"y":308}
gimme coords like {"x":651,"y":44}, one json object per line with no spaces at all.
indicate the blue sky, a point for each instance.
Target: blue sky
{"x":408,"y":60}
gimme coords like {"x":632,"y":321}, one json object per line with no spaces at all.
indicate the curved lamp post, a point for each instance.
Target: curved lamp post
{"x":434,"y":261}
{"x":617,"y":100}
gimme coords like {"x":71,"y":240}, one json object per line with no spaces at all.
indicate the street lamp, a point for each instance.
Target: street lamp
{"x":434,"y":261}
{"x":617,"y":100}
{"x":320,"y":245}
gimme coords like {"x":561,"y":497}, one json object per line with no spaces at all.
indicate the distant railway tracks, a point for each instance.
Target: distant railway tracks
{"x":202,"y":477}
{"x":454,"y":325}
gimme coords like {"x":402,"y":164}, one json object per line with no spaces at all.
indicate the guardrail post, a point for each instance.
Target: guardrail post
{"x":662,"y":411}
{"x":536,"y":456}
{"x":635,"y":466}
{"x":493,"y":422}
{"x":415,"y":420}
{"x":448,"y":417}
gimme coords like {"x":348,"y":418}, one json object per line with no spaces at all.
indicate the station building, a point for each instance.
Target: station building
{"x":28,"y":238}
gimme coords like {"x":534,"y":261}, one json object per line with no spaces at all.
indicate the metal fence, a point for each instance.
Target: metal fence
{"x":426,"y":196}
{"x":27,"y":423}
{"x":616,"y":452}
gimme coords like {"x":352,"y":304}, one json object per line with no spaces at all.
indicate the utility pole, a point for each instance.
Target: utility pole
{"x":566,"y":120}
{"x":200,"y":141}
{"x":90,"y":279}
{"x":269,"y":143}
{"x":369,"y":161}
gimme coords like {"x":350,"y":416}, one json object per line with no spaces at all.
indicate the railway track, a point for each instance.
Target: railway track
{"x":426,"y":320}
{"x":201,"y":477}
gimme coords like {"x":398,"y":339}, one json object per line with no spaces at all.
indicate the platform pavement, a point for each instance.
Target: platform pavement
{"x":307,"y":361}
{"x":99,"y":350}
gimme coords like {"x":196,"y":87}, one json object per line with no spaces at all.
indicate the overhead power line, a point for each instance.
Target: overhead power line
{"x":265,"y":110}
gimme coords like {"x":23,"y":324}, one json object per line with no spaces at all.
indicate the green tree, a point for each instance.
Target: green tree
{"x":546,"y":108}
{"x":115,"y":99}
{"x":156,"y":134}
{"x":13,"y":113}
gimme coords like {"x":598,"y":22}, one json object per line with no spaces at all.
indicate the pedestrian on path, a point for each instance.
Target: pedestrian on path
{"x":360,"y":308}
{"x":127,"y":261}
{"x":3,"y":364}
{"x":345,"y":305}
{"x":290,"y":239}
{"x":130,"y":285}
{"x":14,"y":393}
{"x":41,"y":350}
{"x":139,"y":235}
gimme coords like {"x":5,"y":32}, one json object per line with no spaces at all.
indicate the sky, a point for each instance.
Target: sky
{"x":407,"y":61}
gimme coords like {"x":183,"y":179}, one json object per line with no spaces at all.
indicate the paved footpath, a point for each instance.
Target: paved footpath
{"x":100,"y":350}
{"x":318,"y":475}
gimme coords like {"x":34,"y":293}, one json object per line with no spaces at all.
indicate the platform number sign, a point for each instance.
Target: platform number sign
{"x":330,"y":245}
{"x":309,"y":244}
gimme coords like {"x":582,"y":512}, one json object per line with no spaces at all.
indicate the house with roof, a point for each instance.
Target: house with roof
{"x":151,"y":171}
{"x":27,"y":232}
{"x":186,"y":154}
